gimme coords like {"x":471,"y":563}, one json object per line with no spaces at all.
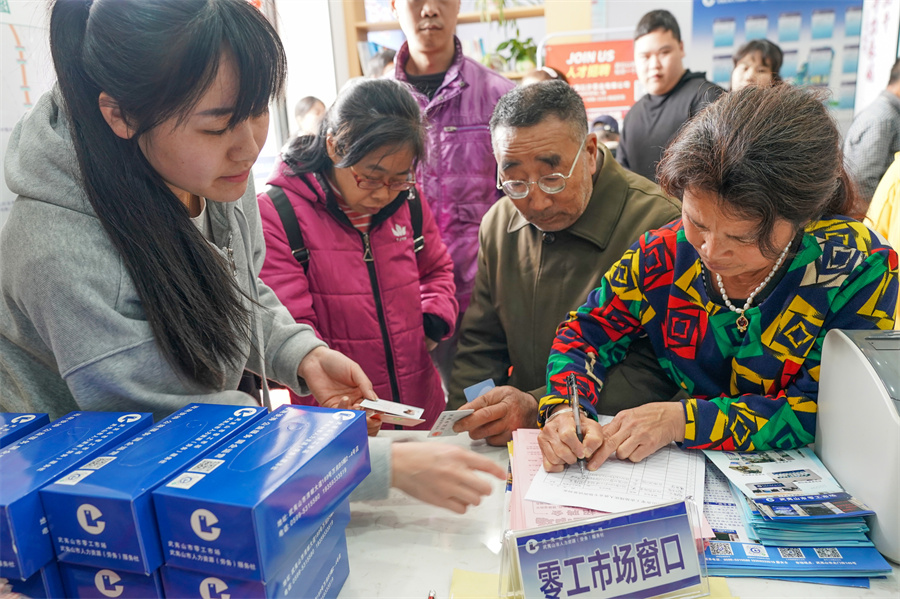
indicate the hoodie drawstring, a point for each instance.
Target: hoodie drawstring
{"x":254,"y":294}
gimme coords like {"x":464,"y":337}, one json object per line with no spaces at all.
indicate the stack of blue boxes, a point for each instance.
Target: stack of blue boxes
{"x":101,"y":515}
{"x":246,"y":503}
{"x":265,"y":515}
{"x":45,"y":455}
{"x":15,"y":426}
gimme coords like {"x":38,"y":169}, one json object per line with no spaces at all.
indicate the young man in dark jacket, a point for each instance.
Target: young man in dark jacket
{"x":674,"y":94}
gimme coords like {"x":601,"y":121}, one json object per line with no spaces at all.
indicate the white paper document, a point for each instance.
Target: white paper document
{"x":670,"y":474}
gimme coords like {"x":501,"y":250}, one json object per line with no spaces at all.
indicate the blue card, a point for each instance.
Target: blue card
{"x":478,"y":389}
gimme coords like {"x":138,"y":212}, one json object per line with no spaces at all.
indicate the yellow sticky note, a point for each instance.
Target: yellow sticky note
{"x":718,"y":588}
{"x":474,"y":585}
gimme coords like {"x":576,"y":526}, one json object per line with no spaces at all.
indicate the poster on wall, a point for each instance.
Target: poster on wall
{"x":601,"y":72}
{"x":820,"y":41}
{"x":878,"y":49}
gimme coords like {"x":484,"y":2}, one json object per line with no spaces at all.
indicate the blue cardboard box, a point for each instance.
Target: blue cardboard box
{"x":102,"y":514}
{"x":15,"y":426}
{"x":293,"y":468}
{"x":326,"y":569}
{"x":43,"y":584}
{"x":101,"y":583}
{"x":43,"y":456}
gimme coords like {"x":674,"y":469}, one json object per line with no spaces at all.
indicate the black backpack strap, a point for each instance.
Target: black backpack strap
{"x":415,"y":215}
{"x":290,"y":224}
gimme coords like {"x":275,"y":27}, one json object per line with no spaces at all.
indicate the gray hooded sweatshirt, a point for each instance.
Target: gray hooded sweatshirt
{"x":73,"y":335}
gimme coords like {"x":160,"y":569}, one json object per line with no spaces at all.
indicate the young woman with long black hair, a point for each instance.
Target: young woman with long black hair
{"x":129,"y":263}
{"x":130,"y":258}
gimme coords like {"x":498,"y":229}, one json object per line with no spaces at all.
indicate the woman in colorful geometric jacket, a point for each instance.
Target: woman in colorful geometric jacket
{"x":367,"y":288}
{"x":736,"y":296}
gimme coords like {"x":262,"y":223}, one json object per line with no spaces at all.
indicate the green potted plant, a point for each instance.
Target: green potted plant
{"x":520,"y":56}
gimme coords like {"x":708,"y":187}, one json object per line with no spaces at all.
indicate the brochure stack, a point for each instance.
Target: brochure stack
{"x":101,"y":515}
{"x":51,"y":452}
{"x":781,"y":514}
{"x":265,"y":515}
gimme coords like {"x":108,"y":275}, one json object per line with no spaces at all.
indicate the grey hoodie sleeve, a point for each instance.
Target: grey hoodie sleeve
{"x":378,"y":483}
{"x":72,"y":315}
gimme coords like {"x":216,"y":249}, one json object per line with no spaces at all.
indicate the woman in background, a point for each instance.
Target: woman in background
{"x":129,"y":262}
{"x":367,"y":287}
{"x":757,"y":62}
{"x":308,"y":113}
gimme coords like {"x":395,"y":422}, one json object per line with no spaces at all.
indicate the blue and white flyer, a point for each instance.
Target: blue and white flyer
{"x":779,"y":472}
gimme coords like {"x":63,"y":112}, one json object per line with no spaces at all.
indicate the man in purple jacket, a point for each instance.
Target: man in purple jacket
{"x":457,"y":96}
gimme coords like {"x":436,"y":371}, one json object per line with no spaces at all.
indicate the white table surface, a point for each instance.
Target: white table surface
{"x":400,"y":548}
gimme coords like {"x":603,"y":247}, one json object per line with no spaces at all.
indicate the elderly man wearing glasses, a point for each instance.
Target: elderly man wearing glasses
{"x":569,"y":213}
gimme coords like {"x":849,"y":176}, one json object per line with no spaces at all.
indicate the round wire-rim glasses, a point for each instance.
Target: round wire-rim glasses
{"x":552,"y":183}
{"x":373,"y":184}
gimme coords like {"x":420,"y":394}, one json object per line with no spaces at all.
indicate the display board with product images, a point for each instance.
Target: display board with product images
{"x":820,"y":41}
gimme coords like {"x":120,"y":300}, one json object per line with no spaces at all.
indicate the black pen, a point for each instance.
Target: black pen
{"x":576,"y":412}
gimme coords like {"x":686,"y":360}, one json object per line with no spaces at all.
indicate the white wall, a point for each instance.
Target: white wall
{"x":26,"y":72}
{"x":305,"y":28}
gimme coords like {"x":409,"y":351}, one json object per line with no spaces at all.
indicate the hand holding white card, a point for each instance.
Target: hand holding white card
{"x":443,"y":426}
{"x":394,"y":413}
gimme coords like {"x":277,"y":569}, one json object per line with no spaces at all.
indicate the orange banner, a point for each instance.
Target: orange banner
{"x":601,"y":72}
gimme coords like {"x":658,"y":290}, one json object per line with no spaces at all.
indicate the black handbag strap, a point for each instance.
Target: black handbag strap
{"x":290,"y":223}
{"x":295,"y":235}
{"x":415,"y":215}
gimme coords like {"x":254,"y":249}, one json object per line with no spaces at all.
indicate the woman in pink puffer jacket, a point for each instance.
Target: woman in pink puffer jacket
{"x":364,"y":288}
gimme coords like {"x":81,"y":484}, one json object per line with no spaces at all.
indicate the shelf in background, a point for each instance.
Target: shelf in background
{"x":513,"y":12}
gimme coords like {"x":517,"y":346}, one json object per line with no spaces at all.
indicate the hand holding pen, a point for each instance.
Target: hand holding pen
{"x":574,"y":403}
{"x":563,"y":440}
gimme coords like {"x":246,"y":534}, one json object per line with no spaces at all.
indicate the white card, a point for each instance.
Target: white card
{"x":443,"y":426}
{"x":394,"y":413}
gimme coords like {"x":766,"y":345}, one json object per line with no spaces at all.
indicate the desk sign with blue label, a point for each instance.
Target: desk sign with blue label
{"x":645,"y":553}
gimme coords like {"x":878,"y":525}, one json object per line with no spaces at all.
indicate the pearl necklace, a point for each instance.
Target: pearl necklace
{"x":742,"y":322}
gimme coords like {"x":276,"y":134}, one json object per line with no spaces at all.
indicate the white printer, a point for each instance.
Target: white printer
{"x":858,"y":425}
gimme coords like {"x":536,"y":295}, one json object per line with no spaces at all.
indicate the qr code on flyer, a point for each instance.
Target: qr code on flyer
{"x":828,"y":552}
{"x":206,"y":466}
{"x":790,"y":552}
{"x":721,"y":549}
